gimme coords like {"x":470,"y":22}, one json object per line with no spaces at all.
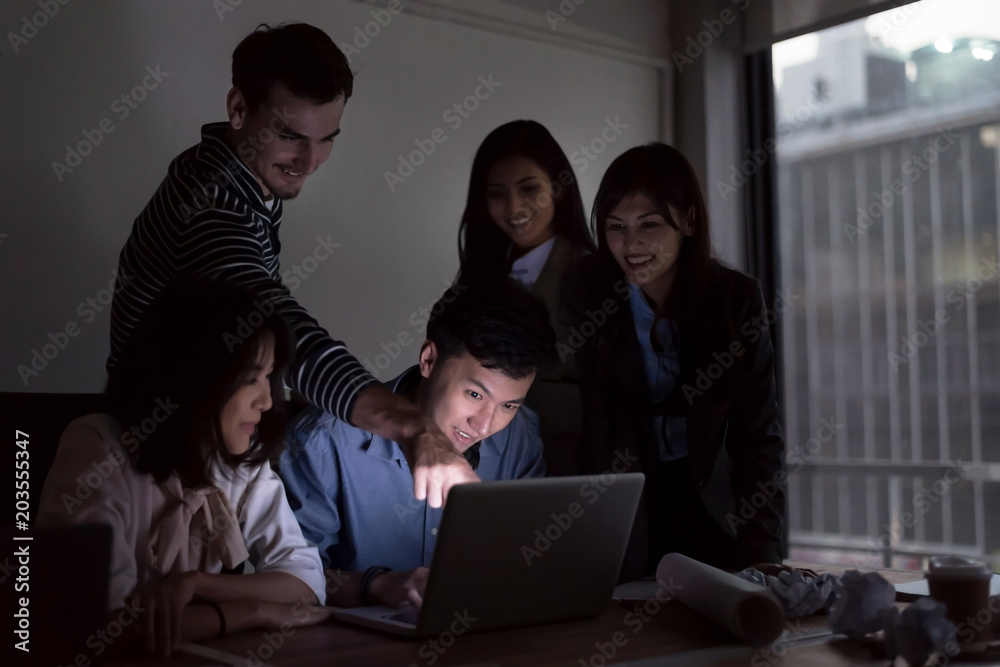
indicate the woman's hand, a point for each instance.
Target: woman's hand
{"x":164,"y":602}
{"x":399,"y":588}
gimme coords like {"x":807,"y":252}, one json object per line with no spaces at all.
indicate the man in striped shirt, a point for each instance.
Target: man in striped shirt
{"x":217,"y":214}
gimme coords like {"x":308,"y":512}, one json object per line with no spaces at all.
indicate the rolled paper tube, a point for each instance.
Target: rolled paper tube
{"x":747,"y":610}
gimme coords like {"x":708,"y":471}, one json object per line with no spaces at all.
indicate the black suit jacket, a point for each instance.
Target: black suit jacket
{"x":726,"y":391}
{"x":555,"y":393}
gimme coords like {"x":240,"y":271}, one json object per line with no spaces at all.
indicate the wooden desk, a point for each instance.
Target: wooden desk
{"x":671,"y":634}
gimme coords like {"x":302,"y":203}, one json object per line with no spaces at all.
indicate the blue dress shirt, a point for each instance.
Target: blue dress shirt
{"x":352,"y":491}
{"x":662,"y":370}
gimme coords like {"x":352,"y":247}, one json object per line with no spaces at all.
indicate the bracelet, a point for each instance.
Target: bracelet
{"x":366,"y":582}
{"x":218,"y":610}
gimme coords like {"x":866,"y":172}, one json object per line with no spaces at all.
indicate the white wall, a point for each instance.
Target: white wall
{"x":397,"y":249}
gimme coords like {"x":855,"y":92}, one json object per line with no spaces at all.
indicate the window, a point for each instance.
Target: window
{"x":888,"y":190}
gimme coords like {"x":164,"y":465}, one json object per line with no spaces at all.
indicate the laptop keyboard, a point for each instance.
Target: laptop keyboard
{"x":410,"y":618}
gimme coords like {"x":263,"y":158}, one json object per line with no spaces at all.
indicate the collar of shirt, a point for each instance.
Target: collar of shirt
{"x":526,"y":268}
{"x":662,"y":366}
{"x":640,"y":307}
{"x":643,"y":314}
{"x":472,"y":455}
{"x":389,"y":450}
{"x":241,"y":181}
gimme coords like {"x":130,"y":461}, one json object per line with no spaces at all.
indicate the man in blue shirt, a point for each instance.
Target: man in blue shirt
{"x":352,"y":491}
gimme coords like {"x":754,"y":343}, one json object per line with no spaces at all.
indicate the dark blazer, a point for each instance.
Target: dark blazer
{"x":555,"y":393}
{"x":726,"y":391}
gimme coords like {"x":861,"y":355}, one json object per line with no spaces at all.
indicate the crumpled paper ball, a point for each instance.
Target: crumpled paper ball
{"x":917,"y":633}
{"x":800,"y":594}
{"x":861,"y":600}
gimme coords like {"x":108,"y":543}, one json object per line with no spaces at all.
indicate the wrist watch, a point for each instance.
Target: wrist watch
{"x":366,"y":582}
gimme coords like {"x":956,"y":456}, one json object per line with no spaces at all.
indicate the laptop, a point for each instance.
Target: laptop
{"x":519,"y":552}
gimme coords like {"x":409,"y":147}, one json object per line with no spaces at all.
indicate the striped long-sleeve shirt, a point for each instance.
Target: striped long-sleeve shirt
{"x":209,"y":218}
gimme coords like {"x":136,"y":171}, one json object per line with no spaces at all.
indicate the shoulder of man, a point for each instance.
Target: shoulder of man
{"x":521,"y":434}
{"x":527,"y":418}
{"x":314,"y":425}
{"x":203,"y":179}
{"x":321,"y":436}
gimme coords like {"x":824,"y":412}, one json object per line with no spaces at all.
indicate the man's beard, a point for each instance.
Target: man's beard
{"x":281,"y":192}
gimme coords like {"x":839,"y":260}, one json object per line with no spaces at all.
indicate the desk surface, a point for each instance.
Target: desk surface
{"x":666,"y":634}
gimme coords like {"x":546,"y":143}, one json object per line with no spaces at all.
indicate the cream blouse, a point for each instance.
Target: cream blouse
{"x":164,"y":528}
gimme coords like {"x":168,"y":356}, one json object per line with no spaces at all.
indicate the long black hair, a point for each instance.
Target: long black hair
{"x":482,"y":246}
{"x":664,"y":175}
{"x":184,"y":360}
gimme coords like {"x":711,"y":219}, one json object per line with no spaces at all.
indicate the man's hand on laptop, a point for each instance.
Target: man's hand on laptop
{"x":399,"y":588}
{"x":436,"y":464}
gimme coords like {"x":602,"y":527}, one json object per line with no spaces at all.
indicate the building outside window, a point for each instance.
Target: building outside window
{"x":888,"y":190}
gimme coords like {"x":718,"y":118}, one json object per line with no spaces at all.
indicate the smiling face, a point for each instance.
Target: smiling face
{"x":242,"y":412}
{"x":645,"y":244}
{"x":465,"y":400}
{"x":519,"y":200}
{"x":285,"y":139}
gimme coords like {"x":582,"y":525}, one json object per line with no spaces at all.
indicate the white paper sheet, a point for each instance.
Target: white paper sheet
{"x":747,"y":610}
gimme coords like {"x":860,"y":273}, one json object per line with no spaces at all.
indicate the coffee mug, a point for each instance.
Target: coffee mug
{"x":963,"y":586}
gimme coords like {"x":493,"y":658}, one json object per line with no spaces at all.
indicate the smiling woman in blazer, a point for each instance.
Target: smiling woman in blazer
{"x":677,"y":371}
{"x":524,"y":218}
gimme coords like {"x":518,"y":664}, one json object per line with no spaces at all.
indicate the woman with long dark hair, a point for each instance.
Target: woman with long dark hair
{"x":677,"y":370}
{"x":177,"y":465}
{"x":524,"y":218}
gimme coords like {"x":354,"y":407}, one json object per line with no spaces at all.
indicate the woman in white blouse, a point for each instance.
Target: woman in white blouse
{"x":524,"y":218}
{"x":177,"y":465}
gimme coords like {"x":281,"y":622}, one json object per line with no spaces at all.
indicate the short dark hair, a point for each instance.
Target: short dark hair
{"x":299,"y":56}
{"x":498,"y":322}
{"x":186,"y":357}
